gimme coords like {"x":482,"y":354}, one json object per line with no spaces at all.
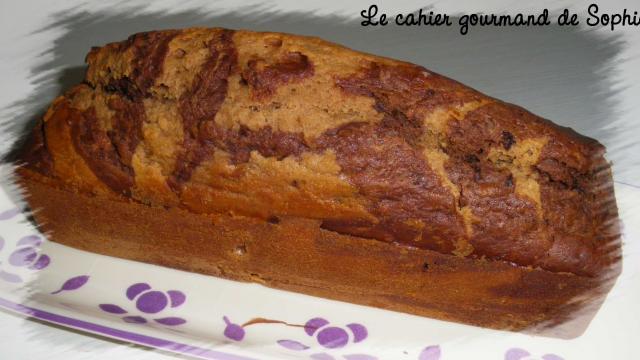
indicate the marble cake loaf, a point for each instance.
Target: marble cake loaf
{"x":303,"y":165}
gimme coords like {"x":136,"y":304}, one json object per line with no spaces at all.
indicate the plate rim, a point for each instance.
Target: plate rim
{"x":118,"y":334}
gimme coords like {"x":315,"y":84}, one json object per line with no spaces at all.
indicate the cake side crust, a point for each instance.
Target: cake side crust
{"x":296,"y":254}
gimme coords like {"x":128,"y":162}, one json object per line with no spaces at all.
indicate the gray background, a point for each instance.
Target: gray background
{"x":561,"y":74}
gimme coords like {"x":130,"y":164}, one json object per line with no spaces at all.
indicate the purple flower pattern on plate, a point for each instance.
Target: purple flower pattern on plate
{"x":26,"y":255}
{"x":233,"y":331}
{"x":333,"y":337}
{"x":430,"y":353}
{"x":8,"y":214}
{"x":327,"y":336}
{"x":522,"y":354}
{"x":73,"y":283}
{"x":149,"y":302}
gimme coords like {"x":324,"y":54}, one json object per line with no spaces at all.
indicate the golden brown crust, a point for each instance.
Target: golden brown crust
{"x":322,"y":263}
{"x":272,"y":126}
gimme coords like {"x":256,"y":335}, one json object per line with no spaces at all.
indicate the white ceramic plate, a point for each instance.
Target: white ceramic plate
{"x":210,"y":318}
{"x":202,"y":316}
